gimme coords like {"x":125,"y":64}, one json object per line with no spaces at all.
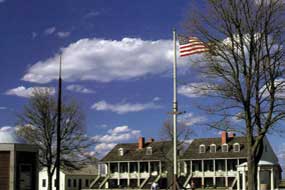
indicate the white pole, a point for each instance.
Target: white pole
{"x":175,"y":111}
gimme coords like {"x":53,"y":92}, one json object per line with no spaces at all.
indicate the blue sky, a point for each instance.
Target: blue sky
{"x":117,"y":61}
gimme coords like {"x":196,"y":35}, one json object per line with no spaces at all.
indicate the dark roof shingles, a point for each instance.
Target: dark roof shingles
{"x":193,"y":150}
{"x":160,"y":150}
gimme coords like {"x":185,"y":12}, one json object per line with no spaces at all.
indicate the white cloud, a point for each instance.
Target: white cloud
{"x":2,"y":1}
{"x":34,"y":35}
{"x":106,"y":60}
{"x":268,"y":2}
{"x":189,"y":119}
{"x":90,"y":153}
{"x":193,"y":90}
{"x":103,"y":148}
{"x":3,"y":108}
{"x":155,"y":99}
{"x":6,"y":129}
{"x":279,"y":84}
{"x":113,"y":136}
{"x":79,"y":88}
{"x":123,"y":108}
{"x":63,"y":34}
{"x":119,"y":129}
{"x":50,"y":30}
{"x":22,"y":91}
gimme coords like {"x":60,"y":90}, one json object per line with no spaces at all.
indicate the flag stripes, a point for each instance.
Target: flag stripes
{"x":190,"y":46}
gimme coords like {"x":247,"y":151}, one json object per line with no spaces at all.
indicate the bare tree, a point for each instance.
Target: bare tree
{"x":245,"y":67}
{"x":184,"y":133}
{"x":38,"y":126}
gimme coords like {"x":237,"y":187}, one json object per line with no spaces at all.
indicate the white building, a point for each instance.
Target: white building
{"x":135,"y":166}
{"x":221,"y":162}
{"x":206,"y":163}
{"x":70,"y":179}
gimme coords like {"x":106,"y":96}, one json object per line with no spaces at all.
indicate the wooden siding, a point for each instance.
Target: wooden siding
{"x":4,"y":170}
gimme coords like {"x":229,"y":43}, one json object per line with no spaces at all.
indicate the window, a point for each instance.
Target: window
{"x":79,"y":184}
{"x":225,"y":148}
{"x":121,"y":152}
{"x":44,"y":183}
{"x":74,"y":183}
{"x":86,"y":183}
{"x":123,"y":167}
{"x":202,"y":148}
{"x":212,"y":148}
{"x":149,"y":151}
{"x":69,"y":183}
{"x":236,"y":147}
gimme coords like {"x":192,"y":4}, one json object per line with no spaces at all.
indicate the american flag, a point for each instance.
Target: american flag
{"x":190,"y":45}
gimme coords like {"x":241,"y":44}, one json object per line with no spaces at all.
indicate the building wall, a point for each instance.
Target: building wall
{"x":268,"y":153}
{"x":29,"y":156}
{"x":72,"y":182}
{"x":67,"y":181}
{"x":26,"y":170}
{"x":43,"y":180}
{"x":4,"y":170}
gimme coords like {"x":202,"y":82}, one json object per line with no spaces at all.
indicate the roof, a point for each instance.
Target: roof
{"x":193,"y":150}
{"x":260,"y":163}
{"x":10,"y":137}
{"x":160,"y":150}
{"x":87,"y":170}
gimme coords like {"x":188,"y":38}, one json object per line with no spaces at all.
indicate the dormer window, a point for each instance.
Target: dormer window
{"x":212,"y":148}
{"x":225,"y":148}
{"x":121,"y":152}
{"x":202,"y":148}
{"x":236,"y":147}
{"x":149,"y":150}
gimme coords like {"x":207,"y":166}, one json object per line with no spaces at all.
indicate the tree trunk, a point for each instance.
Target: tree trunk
{"x":252,"y":172}
{"x":49,"y":180}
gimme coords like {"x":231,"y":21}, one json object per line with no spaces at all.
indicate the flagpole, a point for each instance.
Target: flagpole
{"x":175,"y":112}
{"x":58,"y":129}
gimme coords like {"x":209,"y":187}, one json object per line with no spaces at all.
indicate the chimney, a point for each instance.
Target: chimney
{"x":224,"y":137}
{"x":150,"y":140}
{"x":232,"y":135}
{"x":141,"y":143}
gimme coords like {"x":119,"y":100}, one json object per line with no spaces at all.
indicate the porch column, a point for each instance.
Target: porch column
{"x":238,"y":181}
{"x":119,"y":173}
{"x":139,"y":174}
{"x":149,"y":167}
{"x":108,"y":168}
{"x":226,"y":169}
{"x":243,"y":181}
{"x":160,"y":169}
{"x":272,"y":178}
{"x":178,"y":168}
{"x":128,"y":182}
{"x":191,"y":170}
{"x":203,"y":174}
{"x":258,"y":178}
{"x":214,"y":169}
